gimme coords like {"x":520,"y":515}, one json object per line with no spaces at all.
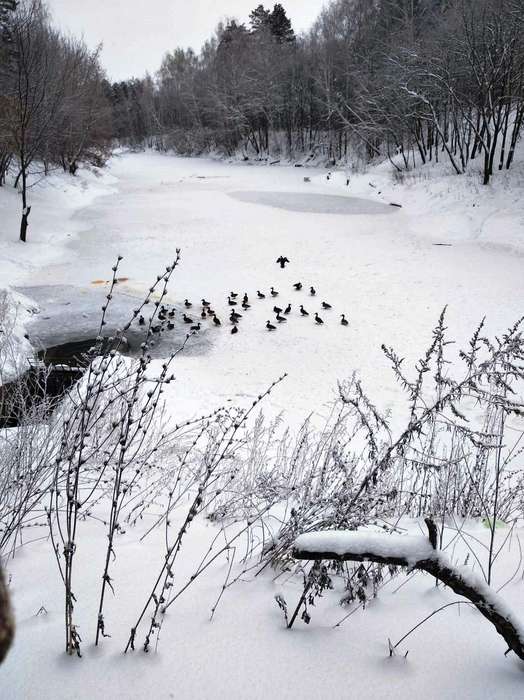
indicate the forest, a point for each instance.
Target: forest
{"x":423,"y":79}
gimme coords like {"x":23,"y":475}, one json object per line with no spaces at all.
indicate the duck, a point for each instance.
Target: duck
{"x":231,"y":302}
{"x":245,"y":298}
{"x":287,"y":310}
{"x":203,"y":314}
{"x":171,"y":314}
{"x":318,"y":319}
{"x":303,"y":311}
{"x":245,"y":305}
{"x":187,"y":319}
{"x":234,"y":317}
{"x":281,"y":319}
{"x":282,"y":260}
{"x":216,"y":321}
{"x":210,"y":311}
{"x":155,"y":329}
{"x":170,"y":326}
{"x":206,"y":303}
{"x":234,"y":330}
{"x":270,"y":326}
{"x":260,"y":295}
{"x":196,"y":327}
{"x":141,"y":321}
{"x":233,"y":295}
{"x":325,"y":305}
{"x":312,"y":291}
{"x":343,"y":320}
{"x":277,"y":309}
{"x":187,"y":304}
{"x":298,"y":286}
{"x":274,"y":292}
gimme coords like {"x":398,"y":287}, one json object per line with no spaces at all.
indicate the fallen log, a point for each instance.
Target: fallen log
{"x":416,"y":553}
{"x":7,"y":625}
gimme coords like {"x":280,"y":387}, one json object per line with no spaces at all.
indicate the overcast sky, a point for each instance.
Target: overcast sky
{"x":137,"y":33}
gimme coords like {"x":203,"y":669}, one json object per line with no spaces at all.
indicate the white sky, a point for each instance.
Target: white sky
{"x":137,"y":33}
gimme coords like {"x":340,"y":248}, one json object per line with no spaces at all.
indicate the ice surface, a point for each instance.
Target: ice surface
{"x":67,"y":314}
{"x":314,"y":203}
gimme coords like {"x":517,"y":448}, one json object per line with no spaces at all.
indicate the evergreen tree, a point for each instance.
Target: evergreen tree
{"x":260,"y":19}
{"x":280,"y":25}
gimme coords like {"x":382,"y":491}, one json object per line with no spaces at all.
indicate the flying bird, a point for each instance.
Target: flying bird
{"x":282,"y":261}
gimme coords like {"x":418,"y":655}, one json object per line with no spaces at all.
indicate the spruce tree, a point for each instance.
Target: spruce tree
{"x":260,"y":19}
{"x":280,"y":25}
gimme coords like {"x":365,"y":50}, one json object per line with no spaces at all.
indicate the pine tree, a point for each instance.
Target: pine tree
{"x":260,"y":19}
{"x":280,"y":25}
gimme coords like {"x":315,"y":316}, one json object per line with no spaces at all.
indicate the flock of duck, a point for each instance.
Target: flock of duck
{"x":166,"y":315}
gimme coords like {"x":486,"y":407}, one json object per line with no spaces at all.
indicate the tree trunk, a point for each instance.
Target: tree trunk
{"x":25,"y":209}
{"x":7,"y":625}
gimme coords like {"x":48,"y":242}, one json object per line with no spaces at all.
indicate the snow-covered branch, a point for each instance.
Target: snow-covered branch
{"x":416,"y":553}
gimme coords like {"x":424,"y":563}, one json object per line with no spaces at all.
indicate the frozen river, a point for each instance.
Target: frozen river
{"x":367,"y":259}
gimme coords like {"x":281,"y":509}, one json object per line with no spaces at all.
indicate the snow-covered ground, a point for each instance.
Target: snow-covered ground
{"x":382,"y":267}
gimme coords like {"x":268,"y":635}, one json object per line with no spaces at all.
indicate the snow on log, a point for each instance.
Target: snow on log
{"x":401,"y":550}
{"x":416,"y":553}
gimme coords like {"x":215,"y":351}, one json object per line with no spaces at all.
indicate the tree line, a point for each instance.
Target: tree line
{"x":54,"y":104}
{"x":412,"y":80}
